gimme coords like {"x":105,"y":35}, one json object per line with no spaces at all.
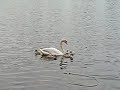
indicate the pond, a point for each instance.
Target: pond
{"x":91,"y":28}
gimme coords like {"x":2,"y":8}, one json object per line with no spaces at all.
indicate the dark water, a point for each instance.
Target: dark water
{"x":92,"y":28}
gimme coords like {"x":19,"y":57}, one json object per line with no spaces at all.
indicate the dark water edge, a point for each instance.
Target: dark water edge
{"x":91,"y":28}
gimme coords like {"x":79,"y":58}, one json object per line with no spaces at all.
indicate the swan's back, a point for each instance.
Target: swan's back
{"x":52,"y":51}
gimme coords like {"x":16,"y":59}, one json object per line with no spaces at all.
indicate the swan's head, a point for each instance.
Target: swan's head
{"x":65,"y":41}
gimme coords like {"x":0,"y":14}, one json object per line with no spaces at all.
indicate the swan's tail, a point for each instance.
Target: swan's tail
{"x":38,"y":52}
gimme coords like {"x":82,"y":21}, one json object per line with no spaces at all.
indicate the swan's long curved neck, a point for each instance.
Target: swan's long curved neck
{"x":61,"y":46}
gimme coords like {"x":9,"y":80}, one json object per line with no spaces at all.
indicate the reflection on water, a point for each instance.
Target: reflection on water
{"x":91,"y":28}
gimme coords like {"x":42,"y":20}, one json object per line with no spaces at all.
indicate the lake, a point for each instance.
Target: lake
{"x":92,"y":29}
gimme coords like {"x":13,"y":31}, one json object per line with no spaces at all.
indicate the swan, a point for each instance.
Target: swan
{"x":50,"y":52}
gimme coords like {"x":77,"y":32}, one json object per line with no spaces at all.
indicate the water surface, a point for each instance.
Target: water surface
{"x":91,"y":28}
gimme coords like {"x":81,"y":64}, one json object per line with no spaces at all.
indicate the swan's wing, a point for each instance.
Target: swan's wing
{"x":43,"y":52}
{"x":52,"y":51}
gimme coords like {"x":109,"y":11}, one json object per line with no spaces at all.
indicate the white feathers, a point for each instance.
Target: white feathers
{"x":51,"y":51}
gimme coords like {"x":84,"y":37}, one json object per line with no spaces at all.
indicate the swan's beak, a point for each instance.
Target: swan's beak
{"x":66,"y":43}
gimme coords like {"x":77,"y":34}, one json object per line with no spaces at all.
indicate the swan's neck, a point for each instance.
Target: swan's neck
{"x":61,"y":46}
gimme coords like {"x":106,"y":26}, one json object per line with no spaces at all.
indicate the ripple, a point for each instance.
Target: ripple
{"x":107,"y":77}
{"x":84,"y":80}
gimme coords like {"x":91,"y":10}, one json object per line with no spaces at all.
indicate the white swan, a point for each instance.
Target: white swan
{"x":52,"y":51}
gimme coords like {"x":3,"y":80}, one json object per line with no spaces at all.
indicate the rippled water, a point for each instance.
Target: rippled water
{"x":91,"y":28}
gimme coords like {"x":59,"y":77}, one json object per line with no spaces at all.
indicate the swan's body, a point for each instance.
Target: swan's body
{"x":52,"y":51}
